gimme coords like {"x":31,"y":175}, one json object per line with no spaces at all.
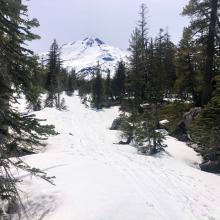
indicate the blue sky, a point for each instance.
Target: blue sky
{"x":112,"y":21}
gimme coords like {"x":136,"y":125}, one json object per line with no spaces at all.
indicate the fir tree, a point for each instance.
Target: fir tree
{"x":34,"y":95}
{"x":118,"y":84}
{"x":147,"y":138}
{"x":53,"y":83}
{"x":108,"y":87}
{"x":146,"y":135}
{"x":205,"y":130}
{"x":138,"y":73}
{"x":205,"y":26}
{"x":169,"y":64}
{"x":189,"y":77}
{"x":145,"y":83}
{"x":17,"y":75}
{"x":98,"y":90}
{"x":71,"y":83}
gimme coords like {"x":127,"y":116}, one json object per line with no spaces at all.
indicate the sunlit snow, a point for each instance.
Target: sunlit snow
{"x":99,"y":180}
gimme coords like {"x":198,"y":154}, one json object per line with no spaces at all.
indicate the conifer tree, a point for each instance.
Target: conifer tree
{"x":98,"y":90}
{"x":157,"y":85}
{"x":119,"y":81}
{"x":205,"y":130}
{"x":189,"y":77}
{"x":34,"y":97}
{"x":205,"y":26}
{"x":71,"y":82}
{"x":108,"y":87}
{"x":145,"y":83}
{"x":17,"y":75}
{"x":146,"y":135}
{"x":134,"y":79}
{"x":53,"y":83}
{"x":138,"y":73}
{"x":169,"y":64}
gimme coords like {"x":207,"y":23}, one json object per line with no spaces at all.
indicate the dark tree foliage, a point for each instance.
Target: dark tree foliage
{"x":151,"y":74}
{"x":54,"y":83}
{"x":118,"y":83}
{"x":198,"y":70}
{"x":205,"y":27}
{"x":189,"y":77}
{"x":108,"y":87}
{"x":71,"y":82}
{"x":138,"y":72}
{"x":205,"y":130}
{"x":146,"y":135}
{"x":98,"y":98}
{"x":147,"y":138}
{"x":33,"y":98}
{"x":169,"y":53}
{"x":18,"y":74}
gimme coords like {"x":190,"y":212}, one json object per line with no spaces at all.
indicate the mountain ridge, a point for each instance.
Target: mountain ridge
{"x":84,"y":56}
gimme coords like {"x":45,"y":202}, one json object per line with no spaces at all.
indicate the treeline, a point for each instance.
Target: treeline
{"x":98,"y":88}
{"x":167,"y":81}
{"x":161,"y":81}
{"x":93,"y":87}
{"x":103,"y":91}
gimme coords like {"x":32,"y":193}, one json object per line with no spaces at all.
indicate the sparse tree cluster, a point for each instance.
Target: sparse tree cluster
{"x":161,"y":76}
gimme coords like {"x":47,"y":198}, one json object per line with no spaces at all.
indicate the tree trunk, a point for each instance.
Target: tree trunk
{"x":210,"y":52}
{"x":4,"y":106}
{"x":195,"y":95}
{"x":58,"y":101}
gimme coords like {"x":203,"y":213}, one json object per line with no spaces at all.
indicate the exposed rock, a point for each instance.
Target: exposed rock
{"x":181,"y":129}
{"x":190,"y":116}
{"x":116,"y":124}
{"x":210,"y":166}
{"x":128,"y":141}
{"x":180,"y":132}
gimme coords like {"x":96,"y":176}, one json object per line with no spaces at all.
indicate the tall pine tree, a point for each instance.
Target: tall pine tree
{"x":138,"y":73}
{"x":189,"y":75}
{"x":118,"y":84}
{"x":98,"y":90}
{"x":17,"y":75}
{"x":205,"y":26}
{"x":53,"y":83}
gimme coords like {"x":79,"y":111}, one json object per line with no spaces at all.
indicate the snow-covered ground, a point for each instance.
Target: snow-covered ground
{"x":99,"y":180}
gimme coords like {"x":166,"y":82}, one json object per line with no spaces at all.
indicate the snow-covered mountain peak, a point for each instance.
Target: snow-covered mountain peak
{"x":84,"y":55}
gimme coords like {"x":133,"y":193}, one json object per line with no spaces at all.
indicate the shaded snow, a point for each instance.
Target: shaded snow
{"x":99,"y":180}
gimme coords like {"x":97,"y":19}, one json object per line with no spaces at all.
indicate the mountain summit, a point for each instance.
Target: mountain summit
{"x":84,"y":55}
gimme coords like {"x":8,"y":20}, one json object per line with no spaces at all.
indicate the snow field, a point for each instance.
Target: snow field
{"x":99,"y":180}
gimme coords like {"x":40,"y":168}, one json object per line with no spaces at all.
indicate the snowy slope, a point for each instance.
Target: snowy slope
{"x":99,"y":180}
{"x":83,"y":56}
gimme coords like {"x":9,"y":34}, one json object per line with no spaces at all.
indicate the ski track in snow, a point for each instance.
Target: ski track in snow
{"x":99,"y":180}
